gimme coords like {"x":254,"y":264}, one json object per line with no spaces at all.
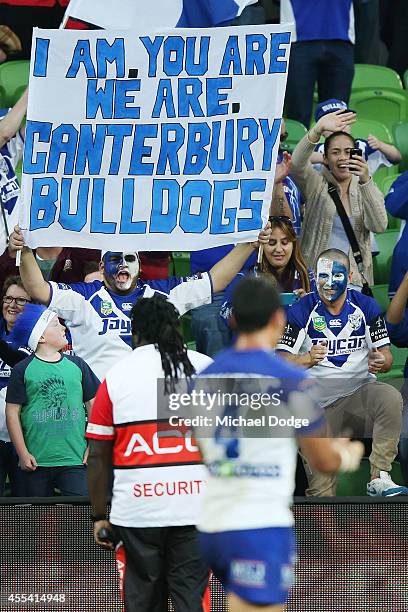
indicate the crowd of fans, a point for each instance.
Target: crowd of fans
{"x":85,"y":335}
{"x":93,"y":292}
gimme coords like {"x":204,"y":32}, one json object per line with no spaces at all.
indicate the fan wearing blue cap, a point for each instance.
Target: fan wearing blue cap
{"x":45,"y":406}
{"x":378,"y":154}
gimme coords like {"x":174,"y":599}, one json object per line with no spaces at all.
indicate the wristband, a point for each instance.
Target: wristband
{"x":98,"y":517}
{"x":311,"y":141}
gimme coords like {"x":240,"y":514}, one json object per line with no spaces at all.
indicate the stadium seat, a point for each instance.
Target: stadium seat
{"x":385,"y":173}
{"x":13,"y":81}
{"x":383,"y":105}
{"x":393,"y":223}
{"x":381,"y":295}
{"x":368,"y":76}
{"x":397,"y":371}
{"x":400,"y":131}
{"x":363,"y":127}
{"x":296,"y":131}
{"x":406,"y":79}
{"x":186,"y":329}
{"x":382,"y":263}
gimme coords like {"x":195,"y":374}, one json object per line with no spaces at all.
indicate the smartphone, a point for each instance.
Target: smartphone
{"x":356,"y":152}
{"x":288,"y":298}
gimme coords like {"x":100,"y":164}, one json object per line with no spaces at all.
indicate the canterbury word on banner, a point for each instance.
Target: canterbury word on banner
{"x":166,"y":141}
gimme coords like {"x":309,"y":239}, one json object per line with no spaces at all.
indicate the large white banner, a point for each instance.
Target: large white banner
{"x":154,"y":142}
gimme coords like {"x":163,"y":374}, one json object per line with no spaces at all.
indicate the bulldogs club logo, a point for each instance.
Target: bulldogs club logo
{"x":354,"y":321}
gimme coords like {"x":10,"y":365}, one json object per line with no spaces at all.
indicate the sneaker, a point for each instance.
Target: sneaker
{"x":385,"y":487}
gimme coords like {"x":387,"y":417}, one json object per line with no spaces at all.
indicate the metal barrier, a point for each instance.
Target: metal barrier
{"x":353,"y":556}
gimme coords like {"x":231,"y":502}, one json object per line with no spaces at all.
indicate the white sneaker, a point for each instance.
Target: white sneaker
{"x":385,"y":487}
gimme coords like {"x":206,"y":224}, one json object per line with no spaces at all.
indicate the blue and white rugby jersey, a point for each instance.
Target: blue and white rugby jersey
{"x":349,"y":336}
{"x":251,"y":469}
{"x":10,"y":155}
{"x":98,"y":319}
{"x":5,"y":373}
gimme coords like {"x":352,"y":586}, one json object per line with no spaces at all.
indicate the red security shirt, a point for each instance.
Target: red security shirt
{"x":159,"y":478}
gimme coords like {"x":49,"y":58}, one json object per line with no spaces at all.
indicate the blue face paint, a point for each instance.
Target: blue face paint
{"x":331,"y":278}
{"x":124,"y":264}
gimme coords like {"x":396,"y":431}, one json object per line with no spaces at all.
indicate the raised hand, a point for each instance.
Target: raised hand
{"x":16,"y":242}
{"x":283,"y":168}
{"x":335,"y":122}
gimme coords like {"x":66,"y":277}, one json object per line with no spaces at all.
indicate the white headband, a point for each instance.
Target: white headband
{"x":39,"y":328}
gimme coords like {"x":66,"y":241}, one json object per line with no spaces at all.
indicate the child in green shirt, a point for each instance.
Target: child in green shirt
{"x":45,"y":411}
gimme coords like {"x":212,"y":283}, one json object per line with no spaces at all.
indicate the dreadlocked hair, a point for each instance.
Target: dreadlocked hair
{"x":156,"y":321}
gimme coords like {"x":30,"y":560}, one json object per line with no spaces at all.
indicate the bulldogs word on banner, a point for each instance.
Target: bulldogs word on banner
{"x":164,"y":141}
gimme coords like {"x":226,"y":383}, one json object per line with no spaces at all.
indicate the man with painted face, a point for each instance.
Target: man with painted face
{"x":341,"y":336}
{"x":97,"y":313}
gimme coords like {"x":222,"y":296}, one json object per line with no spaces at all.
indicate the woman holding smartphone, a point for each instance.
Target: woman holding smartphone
{"x":362,"y":201}
{"x":282,"y":260}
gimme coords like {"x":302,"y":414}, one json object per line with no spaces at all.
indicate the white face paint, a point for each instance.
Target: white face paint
{"x":331,"y":279}
{"x":121,"y":268}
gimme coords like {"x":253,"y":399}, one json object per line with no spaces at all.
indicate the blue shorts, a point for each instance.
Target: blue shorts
{"x":255,"y":564}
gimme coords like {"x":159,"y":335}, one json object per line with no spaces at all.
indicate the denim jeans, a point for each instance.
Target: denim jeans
{"x":70,"y":480}
{"x":329,"y":63}
{"x":209,"y":331}
{"x":9,"y":467}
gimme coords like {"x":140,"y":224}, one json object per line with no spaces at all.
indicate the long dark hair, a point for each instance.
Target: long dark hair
{"x":333,"y":136}
{"x":296,"y":263}
{"x":156,"y":321}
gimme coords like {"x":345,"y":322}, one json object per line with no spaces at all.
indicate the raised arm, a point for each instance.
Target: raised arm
{"x":30,"y":273}
{"x":396,"y":309}
{"x":308,"y":179}
{"x":279,"y":204}
{"x":397,"y":315}
{"x":374,"y":213}
{"x":390,"y":151}
{"x":227,"y":268}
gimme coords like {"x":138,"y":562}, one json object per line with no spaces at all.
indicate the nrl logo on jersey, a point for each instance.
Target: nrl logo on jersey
{"x":106,"y":307}
{"x":354,"y":320}
{"x":319,"y":323}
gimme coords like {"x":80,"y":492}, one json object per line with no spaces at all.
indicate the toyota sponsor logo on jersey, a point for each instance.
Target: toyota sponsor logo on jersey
{"x":335,"y":323}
